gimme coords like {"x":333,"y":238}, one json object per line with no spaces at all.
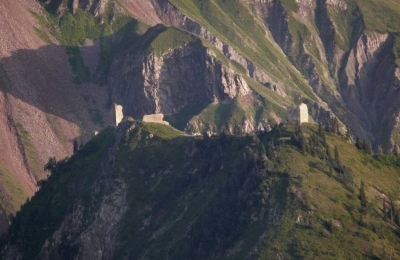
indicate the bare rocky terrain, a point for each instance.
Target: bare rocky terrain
{"x":38,"y":95}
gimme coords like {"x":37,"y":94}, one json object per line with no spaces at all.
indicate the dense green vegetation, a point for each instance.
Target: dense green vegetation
{"x":5,"y":84}
{"x":169,"y":39}
{"x":48,"y":219}
{"x":96,"y":117}
{"x":42,"y":34}
{"x":300,"y":192}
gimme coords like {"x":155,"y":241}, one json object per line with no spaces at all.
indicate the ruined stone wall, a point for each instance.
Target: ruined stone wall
{"x":154,"y":118}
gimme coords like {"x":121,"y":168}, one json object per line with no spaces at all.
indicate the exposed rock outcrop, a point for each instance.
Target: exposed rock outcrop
{"x":168,"y":14}
{"x":342,"y":5}
{"x":367,"y":84}
{"x":185,"y":76}
{"x":276,"y":19}
{"x":108,"y":206}
{"x":326,"y":29}
{"x":3,"y":221}
{"x":274,"y":16}
{"x":96,"y":7}
{"x":89,"y":238}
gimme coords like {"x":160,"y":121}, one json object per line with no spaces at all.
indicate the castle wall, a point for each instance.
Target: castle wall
{"x":155,"y":118}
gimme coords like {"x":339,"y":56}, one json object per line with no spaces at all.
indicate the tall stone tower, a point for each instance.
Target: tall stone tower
{"x":298,"y":114}
{"x":118,"y":114}
{"x":303,"y":113}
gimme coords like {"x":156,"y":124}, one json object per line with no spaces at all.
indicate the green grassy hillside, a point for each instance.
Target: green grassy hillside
{"x":236,"y":25}
{"x":300,"y":193}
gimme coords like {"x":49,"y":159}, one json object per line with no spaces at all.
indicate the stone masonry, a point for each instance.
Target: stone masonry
{"x":298,"y":114}
{"x":155,"y":118}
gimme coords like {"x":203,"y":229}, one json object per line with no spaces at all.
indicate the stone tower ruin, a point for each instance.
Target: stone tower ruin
{"x":118,"y":114}
{"x":298,"y":114}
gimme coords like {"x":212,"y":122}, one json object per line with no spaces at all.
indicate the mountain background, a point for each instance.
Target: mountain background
{"x":209,"y":66}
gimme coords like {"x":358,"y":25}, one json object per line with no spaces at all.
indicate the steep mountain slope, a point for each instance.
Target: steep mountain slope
{"x":345,"y":49}
{"x":209,"y":66}
{"x":148,"y":191}
{"x":42,"y":111}
{"x":30,"y":91}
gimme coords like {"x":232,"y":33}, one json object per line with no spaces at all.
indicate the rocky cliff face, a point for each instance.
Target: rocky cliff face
{"x":97,"y":7}
{"x":185,"y":76}
{"x":165,"y":12}
{"x":326,"y":28}
{"x":3,"y":221}
{"x":107,"y":212}
{"x":181,"y":79}
{"x":298,"y":39}
{"x":316,"y":36}
{"x":353,"y":57}
{"x":367,"y":82}
{"x":275,"y":18}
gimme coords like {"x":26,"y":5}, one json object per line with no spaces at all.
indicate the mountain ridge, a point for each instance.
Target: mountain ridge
{"x":126,"y":195}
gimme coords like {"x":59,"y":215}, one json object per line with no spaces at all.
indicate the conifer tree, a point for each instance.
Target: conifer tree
{"x":363,"y":197}
{"x":328,"y":151}
{"x":368,"y":148}
{"x":384,"y":209}
{"x":271,"y":150}
{"x":51,"y":164}
{"x":396,"y":214}
{"x":358,"y":145}
{"x":328,"y":126}
{"x":330,"y":171}
{"x":76,"y":147}
{"x":337,"y":157}
{"x":364,"y":145}
{"x":321,"y":131}
{"x":263,"y":151}
{"x":335,"y":126}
